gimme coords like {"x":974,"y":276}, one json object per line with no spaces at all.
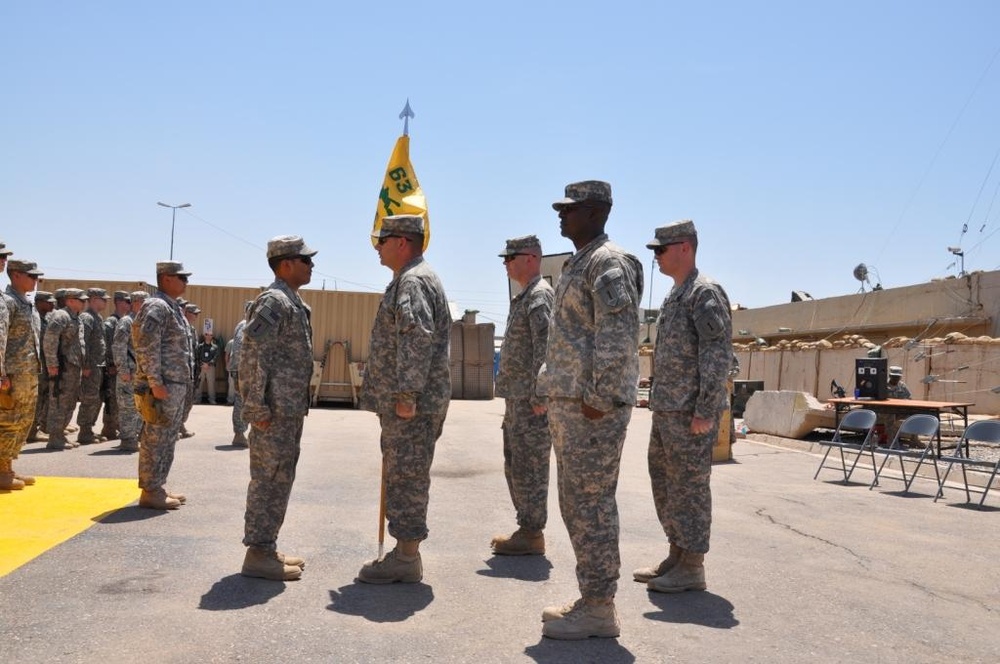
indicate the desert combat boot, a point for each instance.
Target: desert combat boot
{"x":647,"y":574}
{"x":263,"y":564}
{"x":158,"y":499}
{"x":688,"y":574}
{"x":583,"y":621}
{"x":392,"y":568}
{"x":8,"y":481}
{"x":521,"y":542}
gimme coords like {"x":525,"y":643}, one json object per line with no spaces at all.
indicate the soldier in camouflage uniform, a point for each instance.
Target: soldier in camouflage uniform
{"x":109,"y":390}
{"x":64,"y":356}
{"x":92,"y":328}
{"x":408,"y":385}
{"x":129,"y":420}
{"x":276,"y":363}
{"x":239,"y":424}
{"x":19,"y":366}
{"x":590,"y":377}
{"x":191,"y":311}
{"x":164,"y":367}
{"x":689,"y":394}
{"x":44,"y":303}
{"x":527,"y":446}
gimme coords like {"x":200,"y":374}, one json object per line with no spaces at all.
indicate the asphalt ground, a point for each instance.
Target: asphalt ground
{"x":800,"y":570}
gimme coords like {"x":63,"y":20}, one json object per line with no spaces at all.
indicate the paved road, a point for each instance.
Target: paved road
{"x":800,"y":570}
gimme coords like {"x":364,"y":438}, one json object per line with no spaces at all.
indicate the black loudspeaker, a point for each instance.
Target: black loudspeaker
{"x":871,"y":375}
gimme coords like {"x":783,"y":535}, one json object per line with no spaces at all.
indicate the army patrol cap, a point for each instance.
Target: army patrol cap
{"x":44,"y":296}
{"x":59,"y":293}
{"x":171,"y":267}
{"x":122,"y":295}
{"x":76,"y":294}
{"x":98,"y":292}
{"x":895,"y":371}
{"x":672,"y":233}
{"x":519,"y":245}
{"x":401,"y":224}
{"x":4,"y":251}
{"x":588,"y":191}
{"x":192,"y":308}
{"x":138,"y":295}
{"x":27,"y":267}
{"x":288,"y":246}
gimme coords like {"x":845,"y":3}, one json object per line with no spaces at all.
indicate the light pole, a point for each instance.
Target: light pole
{"x":173,"y":219}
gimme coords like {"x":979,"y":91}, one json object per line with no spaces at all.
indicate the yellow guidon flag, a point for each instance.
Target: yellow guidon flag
{"x":401,"y":192}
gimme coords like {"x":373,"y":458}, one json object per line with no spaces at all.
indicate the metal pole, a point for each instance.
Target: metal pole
{"x":173,"y":220}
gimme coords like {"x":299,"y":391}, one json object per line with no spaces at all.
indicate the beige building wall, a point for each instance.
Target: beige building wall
{"x":341,"y":323}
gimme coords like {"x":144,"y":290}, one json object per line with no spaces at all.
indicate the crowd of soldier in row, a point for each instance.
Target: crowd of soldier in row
{"x":568,"y":373}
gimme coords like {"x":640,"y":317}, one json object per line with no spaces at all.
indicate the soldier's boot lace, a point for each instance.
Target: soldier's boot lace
{"x":521,"y":542}
{"x":688,"y":574}
{"x":157,"y":499}
{"x":557,"y":612}
{"x":391,"y":568}
{"x":647,"y":574}
{"x":264,"y":564}
{"x":585,"y":620}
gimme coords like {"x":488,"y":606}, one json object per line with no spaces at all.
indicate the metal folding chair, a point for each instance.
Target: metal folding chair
{"x":860,"y":421}
{"x":919,"y":426}
{"x":984,"y":431}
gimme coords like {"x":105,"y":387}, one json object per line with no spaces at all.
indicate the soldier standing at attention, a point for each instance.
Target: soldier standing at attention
{"x":92,"y":329}
{"x":693,"y":355}
{"x":129,"y":420}
{"x":239,"y":424}
{"x":109,"y":392}
{"x":44,"y":303}
{"x":590,"y":377}
{"x":64,"y":356}
{"x":276,"y":363}
{"x":19,"y":366}
{"x":164,"y":367}
{"x":408,"y":385}
{"x":527,"y":446}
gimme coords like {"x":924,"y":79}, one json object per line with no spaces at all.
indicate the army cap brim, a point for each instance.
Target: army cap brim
{"x":678,"y":231}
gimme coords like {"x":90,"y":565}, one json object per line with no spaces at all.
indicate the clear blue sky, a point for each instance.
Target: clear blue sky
{"x":802,"y":137}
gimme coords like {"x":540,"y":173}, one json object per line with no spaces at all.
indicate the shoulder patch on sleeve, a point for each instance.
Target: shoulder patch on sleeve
{"x":709,"y":317}
{"x":610,"y":288}
{"x":263,"y":319}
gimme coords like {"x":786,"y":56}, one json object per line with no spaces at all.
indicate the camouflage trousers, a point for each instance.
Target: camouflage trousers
{"x":407,"y":453}
{"x":109,"y":397}
{"x":129,"y":420}
{"x":64,"y":390}
{"x":15,"y":423}
{"x":239,"y":426}
{"x":42,"y":411}
{"x":527,"y":449}
{"x":156,"y":450}
{"x":274,"y":453}
{"x":680,"y":467}
{"x":588,"y":459}
{"x":90,"y":399}
{"x":189,"y":400}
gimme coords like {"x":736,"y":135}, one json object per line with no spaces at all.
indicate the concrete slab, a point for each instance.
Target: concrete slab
{"x":800,"y":570}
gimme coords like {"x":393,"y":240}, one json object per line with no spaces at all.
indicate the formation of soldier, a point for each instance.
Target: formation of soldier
{"x":568,"y":373}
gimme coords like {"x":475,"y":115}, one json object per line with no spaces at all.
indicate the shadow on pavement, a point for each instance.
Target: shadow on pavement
{"x":393,"y":602}
{"x":114,"y":451}
{"x":605,"y":651}
{"x":229,"y":448}
{"x":695,"y":608}
{"x":239,"y":592}
{"x":522,"y":568}
{"x":129,"y":514}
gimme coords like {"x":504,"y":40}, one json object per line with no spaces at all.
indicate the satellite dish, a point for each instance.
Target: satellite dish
{"x":861,"y":272}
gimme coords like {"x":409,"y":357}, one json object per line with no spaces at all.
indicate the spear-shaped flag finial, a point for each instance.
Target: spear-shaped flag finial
{"x":405,"y":116}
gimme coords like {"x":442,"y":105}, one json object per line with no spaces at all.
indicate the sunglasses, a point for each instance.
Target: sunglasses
{"x":509,"y":257}
{"x":382,"y":239}
{"x":662,"y":249}
{"x":304,"y":259}
{"x":182,"y":277}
